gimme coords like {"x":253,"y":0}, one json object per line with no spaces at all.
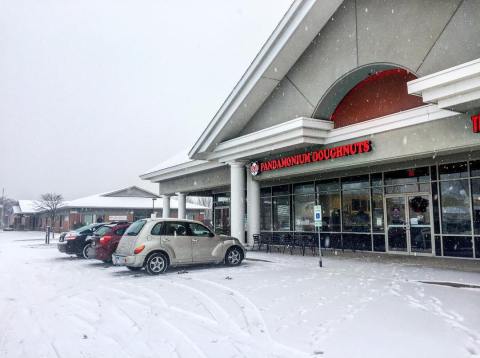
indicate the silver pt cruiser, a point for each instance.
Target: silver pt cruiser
{"x":157,"y":244}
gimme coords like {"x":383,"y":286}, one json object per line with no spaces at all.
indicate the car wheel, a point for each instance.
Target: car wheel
{"x":88,"y":251}
{"x":109,"y":261}
{"x":156,"y":264}
{"x":234,"y":256}
{"x":131,"y":268}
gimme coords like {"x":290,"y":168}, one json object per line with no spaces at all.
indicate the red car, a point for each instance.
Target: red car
{"x":105,"y":240}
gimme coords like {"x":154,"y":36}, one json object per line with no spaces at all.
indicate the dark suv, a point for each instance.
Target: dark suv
{"x":74,"y":242}
{"x":105,"y":241}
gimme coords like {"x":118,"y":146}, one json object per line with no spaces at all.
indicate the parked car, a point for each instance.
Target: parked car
{"x":157,"y":244}
{"x":105,"y":240}
{"x":75,"y":242}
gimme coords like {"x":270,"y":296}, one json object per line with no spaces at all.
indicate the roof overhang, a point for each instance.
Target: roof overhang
{"x":189,"y":167}
{"x":296,"y":132}
{"x":302,"y":22}
{"x":456,"y":88}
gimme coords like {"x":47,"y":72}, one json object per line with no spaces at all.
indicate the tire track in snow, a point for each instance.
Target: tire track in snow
{"x":254,"y":318}
{"x":434,"y":306}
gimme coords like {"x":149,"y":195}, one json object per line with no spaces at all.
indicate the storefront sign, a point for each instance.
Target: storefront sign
{"x":476,"y":123}
{"x":311,"y":157}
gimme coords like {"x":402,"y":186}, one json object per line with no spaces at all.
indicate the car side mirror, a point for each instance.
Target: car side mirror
{"x":211,"y":234}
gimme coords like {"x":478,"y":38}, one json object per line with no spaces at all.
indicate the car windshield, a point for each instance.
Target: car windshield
{"x":135,"y":228}
{"x":102,"y":230}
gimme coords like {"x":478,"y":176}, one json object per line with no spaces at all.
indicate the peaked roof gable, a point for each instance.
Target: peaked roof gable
{"x":296,"y":30}
{"x":131,"y":191}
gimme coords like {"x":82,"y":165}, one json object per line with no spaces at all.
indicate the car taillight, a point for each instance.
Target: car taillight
{"x":138,"y":249}
{"x":105,"y":239}
{"x":70,"y":237}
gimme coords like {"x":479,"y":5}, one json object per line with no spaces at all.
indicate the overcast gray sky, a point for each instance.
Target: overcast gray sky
{"x":95,"y":92}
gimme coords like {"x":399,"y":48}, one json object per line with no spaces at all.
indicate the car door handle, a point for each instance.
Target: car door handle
{"x":166,"y":239}
{"x":194,"y":240}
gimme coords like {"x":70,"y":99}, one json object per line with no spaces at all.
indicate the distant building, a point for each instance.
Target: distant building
{"x":128,"y":204}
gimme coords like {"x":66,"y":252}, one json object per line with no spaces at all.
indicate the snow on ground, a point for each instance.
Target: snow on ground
{"x":53,"y":305}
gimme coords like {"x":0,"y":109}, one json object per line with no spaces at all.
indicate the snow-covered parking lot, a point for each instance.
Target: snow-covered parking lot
{"x":274,"y":305}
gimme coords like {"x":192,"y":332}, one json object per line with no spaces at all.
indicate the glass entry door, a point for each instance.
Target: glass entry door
{"x":221,"y":220}
{"x":409,"y":228}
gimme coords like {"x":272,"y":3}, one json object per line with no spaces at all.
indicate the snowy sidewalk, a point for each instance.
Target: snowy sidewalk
{"x":275,"y":305}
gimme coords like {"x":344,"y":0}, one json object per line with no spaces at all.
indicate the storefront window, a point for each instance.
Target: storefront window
{"x":330,"y":203}
{"x":377,"y":210}
{"x":281,"y":213}
{"x":376,"y":179}
{"x":458,"y":246}
{"x":453,"y":171}
{"x":221,"y":199}
{"x":266,"y":214}
{"x":407,"y":181}
{"x":475,"y":168}
{"x":304,"y":188}
{"x":476,"y":205}
{"x":222,"y":220}
{"x":328,"y":185}
{"x":266,"y":191}
{"x":354,"y":183}
{"x":281,"y":190}
{"x":303,"y":209}
{"x":455,"y":197}
{"x":356,"y":211}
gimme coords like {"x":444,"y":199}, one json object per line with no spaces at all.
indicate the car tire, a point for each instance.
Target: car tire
{"x":234,"y":256}
{"x":86,"y":249}
{"x":131,"y":268}
{"x":109,"y":261}
{"x":156,"y":264}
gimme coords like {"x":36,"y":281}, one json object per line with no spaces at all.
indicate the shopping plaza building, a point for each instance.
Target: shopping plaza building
{"x":368,"y":108}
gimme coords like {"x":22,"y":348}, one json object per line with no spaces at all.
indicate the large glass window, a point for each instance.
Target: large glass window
{"x":330,"y":203}
{"x":281,"y":213}
{"x":303,"y":206}
{"x":222,"y":220}
{"x":407,"y":181}
{"x":266,"y":213}
{"x":475,"y":168}
{"x":476,"y":205}
{"x":281,"y":190}
{"x":455,"y":197}
{"x":356,"y":204}
{"x":377,"y":210}
{"x":453,"y":171}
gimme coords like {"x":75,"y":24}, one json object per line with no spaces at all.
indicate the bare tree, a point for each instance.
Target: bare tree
{"x":50,"y":202}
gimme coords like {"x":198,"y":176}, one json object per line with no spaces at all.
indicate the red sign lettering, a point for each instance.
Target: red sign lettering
{"x":316,"y":156}
{"x":476,"y":123}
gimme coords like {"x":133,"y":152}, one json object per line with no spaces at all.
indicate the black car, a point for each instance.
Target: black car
{"x":75,"y":242}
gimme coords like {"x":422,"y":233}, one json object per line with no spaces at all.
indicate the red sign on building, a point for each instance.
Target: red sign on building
{"x":311,"y":157}
{"x":476,"y":123}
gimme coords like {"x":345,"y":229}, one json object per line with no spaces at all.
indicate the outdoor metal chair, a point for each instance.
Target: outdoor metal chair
{"x":276,"y":242}
{"x":256,"y":241}
{"x":264,"y":240}
{"x":288,"y":243}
